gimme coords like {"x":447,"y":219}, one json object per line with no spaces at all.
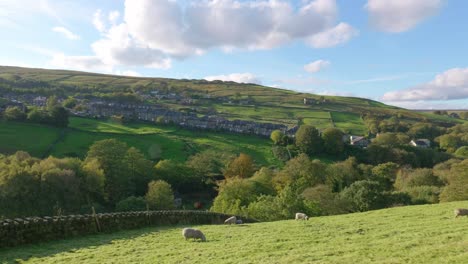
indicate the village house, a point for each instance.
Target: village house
{"x":358,"y":141}
{"x":421,"y":143}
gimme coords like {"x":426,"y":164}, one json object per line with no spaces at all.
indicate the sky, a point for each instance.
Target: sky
{"x":408,"y":53}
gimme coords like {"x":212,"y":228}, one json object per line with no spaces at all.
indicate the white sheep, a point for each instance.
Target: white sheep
{"x":460,"y":212}
{"x":301,"y":216}
{"x":193,"y":233}
{"x":238,"y":222}
{"x":231,"y":220}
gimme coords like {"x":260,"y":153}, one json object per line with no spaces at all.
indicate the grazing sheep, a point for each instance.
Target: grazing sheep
{"x":301,"y":216}
{"x":238,"y":222}
{"x":193,"y":233}
{"x":231,"y":220}
{"x":460,"y":212}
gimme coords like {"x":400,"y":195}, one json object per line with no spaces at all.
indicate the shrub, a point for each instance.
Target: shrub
{"x":423,"y":194}
{"x":364,"y":195}
{"x":159,"y":195}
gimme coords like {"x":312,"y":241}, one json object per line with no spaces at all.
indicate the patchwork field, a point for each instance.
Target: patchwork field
{"x":413,"y":234}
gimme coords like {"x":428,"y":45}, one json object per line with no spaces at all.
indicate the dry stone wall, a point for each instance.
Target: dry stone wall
{"x":18,"y":231}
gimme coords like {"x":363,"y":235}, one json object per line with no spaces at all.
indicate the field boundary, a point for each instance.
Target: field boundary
{"x":19,"y":231}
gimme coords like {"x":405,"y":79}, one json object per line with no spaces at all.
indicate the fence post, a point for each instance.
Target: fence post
{"x":96,"y":219}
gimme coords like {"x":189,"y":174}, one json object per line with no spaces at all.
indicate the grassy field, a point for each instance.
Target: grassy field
{"x":177,"y":144}
{"x":29,"y":137}
{"x":414,"y":234}
{"x":349,"y":123}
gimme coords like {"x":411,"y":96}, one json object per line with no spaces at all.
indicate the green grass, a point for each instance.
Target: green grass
{"x":414,"y":234}
{"x":33,"y":138}
{"x":176,"y":144}
{"x":349,"y":123}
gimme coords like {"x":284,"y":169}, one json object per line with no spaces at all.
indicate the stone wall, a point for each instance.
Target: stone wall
{"x":20,"y":231}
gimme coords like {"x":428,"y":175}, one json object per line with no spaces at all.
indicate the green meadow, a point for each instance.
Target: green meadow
{"x":412,"y":234}
{"x":175,"y":143}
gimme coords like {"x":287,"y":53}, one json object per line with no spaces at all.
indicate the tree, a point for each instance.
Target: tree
{"x":37,"y":116}
{"x":139,"y":169}
{"x":308,"y":140}
{"x":207,"y":165}
{"x":462,"y":152}
{"x":416,"y":177}
{"x":14,"y":113}
{"x":110,"y":153}
{"x":234,"y":195}
{"x":69,"y":103}
{"x":342,"y":174}
{"x":456,"y":189}
{"x":300,"y":172}
{"x":52,"y":102}
{"x":391,"y":139}
{"x":385,"y":173}
{"x":160,"y":195}
{"x":179,"y":176}
{"x":242,"y":166}
{"x":333,"y":141}
{"x":93,"y":181}
{"x":449,"y":142}
{"x":364,"y":195}
{"x":59,"y":116}
{"x":277,"y":136}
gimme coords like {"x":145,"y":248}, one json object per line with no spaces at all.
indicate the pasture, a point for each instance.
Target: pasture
{"x":175,"y":143}
{"x":412,"y":234}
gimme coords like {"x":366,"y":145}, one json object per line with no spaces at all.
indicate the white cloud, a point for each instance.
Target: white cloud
{"x":336,"y":93}
{"x":235,"y":77}
{"x":400,"y":15}
{"x":81,"y":63}
{"x":113,"y":17}
{"x":154,"y":32}
{"x":119,"y":48}
{"x":98,"y":21}
{"x":128,"y":73}
{"x":430,"y":104}
{"x":65,"y":32}
{"x":316,"y":66}
{"x":339,"y":34}
{"x":449,"y":85}
{"x":228,"y":24}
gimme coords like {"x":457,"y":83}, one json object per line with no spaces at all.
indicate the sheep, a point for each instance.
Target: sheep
{"x":460,"y":212}
{"x":238,"y":222}
{"x":301,"y":216}
{"x":231,"y":220}
{"x":193,"y":233}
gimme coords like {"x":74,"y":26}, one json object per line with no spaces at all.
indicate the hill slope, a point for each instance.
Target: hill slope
{"x":226,"y":99}
{"x":414,"y":234}
{"x":174,"y":143}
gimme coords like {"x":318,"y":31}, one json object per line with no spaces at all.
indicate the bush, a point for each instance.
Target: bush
{"x":283,"y":206}
{"x":234,"y":194}
{"x":423,"y":194}
{"x":131,"y":203}
{"x":160,"y":195}
{"x":462,"y":152}
{"x":364,"y":195}
{"x":418,"y":177}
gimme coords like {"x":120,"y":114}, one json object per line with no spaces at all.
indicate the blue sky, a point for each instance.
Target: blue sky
{"x":410,"y":53}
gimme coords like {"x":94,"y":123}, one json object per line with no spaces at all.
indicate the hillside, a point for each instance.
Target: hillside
{"x":414,"y":234}
{"x":228,"y":100}
{"x":175,"y":143}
